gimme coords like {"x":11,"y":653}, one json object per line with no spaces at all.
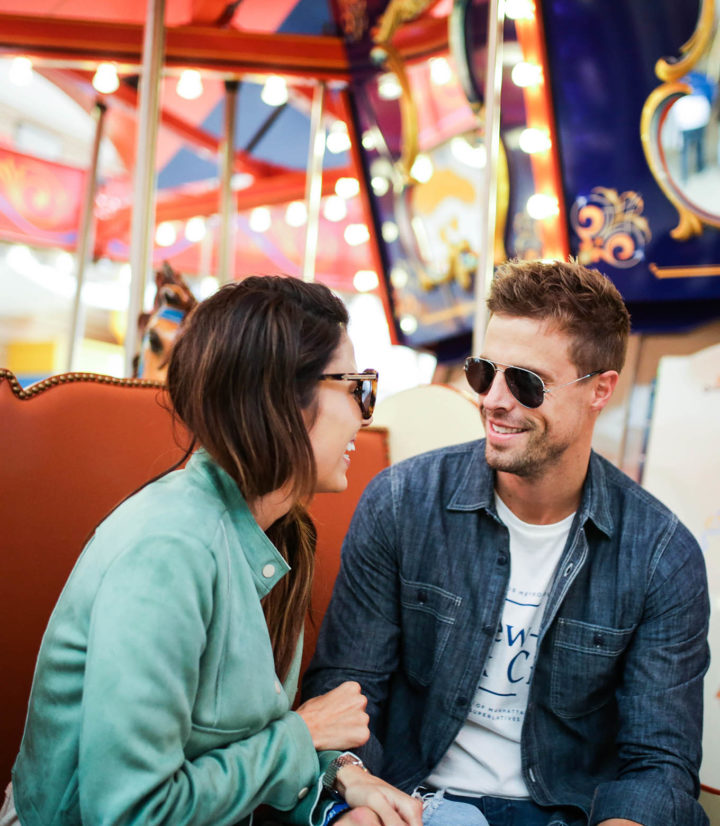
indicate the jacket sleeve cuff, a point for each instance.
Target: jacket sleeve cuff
{"x":312,"y":805}
{"x":648,"y":802}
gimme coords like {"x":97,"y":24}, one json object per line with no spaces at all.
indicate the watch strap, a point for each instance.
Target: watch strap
{"x":329,"y":781}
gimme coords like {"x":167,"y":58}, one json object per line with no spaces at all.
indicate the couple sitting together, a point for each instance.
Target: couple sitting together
{"x":517,"y":636}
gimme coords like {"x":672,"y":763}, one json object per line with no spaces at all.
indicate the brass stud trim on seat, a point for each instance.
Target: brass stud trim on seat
{"x":64,"y":378}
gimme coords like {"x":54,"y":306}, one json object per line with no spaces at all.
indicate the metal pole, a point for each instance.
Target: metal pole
{"x":87,"y":234}
{"x":227,"y":201}
{"x":313,"y":181}
{"x":143,"y":215}
{"x":493,"y":87}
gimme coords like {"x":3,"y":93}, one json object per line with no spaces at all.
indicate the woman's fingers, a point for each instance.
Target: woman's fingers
{"x":337,"y":720}
{"x":392,"y":807}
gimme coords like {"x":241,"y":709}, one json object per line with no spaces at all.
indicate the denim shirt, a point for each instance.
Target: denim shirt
{"x":614,"y":717}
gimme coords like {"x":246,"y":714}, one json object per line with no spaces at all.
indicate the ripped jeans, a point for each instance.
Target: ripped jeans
{"x":441,"y":808}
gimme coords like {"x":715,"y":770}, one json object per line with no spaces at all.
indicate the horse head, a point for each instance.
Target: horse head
{"x":159,"y":328}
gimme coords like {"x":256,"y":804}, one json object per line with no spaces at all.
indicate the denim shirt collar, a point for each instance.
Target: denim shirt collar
{"x":257,"y":548}
{"x":476,"y":490}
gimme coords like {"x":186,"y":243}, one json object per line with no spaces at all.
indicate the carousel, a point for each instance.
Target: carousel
{"x":397,"y":151}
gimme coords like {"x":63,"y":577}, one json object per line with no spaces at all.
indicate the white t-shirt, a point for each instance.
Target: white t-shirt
{"x":484,"y":758}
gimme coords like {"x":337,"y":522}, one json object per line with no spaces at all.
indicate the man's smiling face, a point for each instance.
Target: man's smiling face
{"x":528,"y":442}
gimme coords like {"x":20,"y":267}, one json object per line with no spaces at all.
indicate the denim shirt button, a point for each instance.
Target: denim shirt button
{"x":461,"y":701}
{"x":422,"y":597}
{"x":502,"y":559}
{"x":598,"y":640}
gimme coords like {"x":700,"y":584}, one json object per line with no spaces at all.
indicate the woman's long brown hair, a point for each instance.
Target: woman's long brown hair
{"x":243,"y":378}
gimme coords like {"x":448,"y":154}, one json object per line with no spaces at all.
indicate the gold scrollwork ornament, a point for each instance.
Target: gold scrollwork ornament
{"x":691,"y":216}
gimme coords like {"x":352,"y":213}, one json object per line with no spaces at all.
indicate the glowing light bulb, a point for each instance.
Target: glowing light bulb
{"x":275,"y":91}
{"x":399,"y":277}
{"x":380,"y":185}
{"x":526,"y":74}
{"x":195,"y":229}
{"x":347,"y":187}
{"x":21,"y":71}
{"x":260,"y":219}
{"x":356,"y":234}
{"x":408,"y":324}
{"x":296,"y":214}
{"x":365,"y":280}
{"x":520,"y":9}
{"x":390,"y":231}
{"x":165,"y":234}
{"x":422,"y":170}
{"x":334,"y":208}
{"x":534,"y":140}
{"x":105,"y":80}
{"x":338,"y":140}
{"x":389,"y":87}
{"x":540,"y":206}
{"x":440,"y":71}
{"x":189,"y":85}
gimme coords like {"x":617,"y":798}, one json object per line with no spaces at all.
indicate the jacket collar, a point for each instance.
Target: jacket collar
{"x":476,"y":489}
{"x":261,"y":555}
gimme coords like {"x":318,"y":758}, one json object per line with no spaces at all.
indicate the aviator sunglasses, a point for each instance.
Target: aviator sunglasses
{"x":365,"y":392}
{"x":527,"y":387}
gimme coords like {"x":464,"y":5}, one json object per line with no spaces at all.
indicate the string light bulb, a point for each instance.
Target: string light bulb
{"x":440,"y":71}
{"x":189,"y":85}
{"x":526,"y":74}
{"x":106,"y":80}
{"x":275,"y":91}
{"x":21,"y":71}
{"x":540,"y":206}
{"x":520,"y":9}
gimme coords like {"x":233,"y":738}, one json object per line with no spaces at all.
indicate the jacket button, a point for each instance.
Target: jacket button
{"x":502,"y":559}
{"x":422,"y":597}
{"x":598,"y":640}
{"x":268,"y":570}
{"x":302,"y":792}
{"x":461,"y":701}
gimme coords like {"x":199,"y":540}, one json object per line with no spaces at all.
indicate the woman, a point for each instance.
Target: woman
{"x":165,"y":678}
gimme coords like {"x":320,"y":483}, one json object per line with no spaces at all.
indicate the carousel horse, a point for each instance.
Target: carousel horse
{"x":159,"y":328}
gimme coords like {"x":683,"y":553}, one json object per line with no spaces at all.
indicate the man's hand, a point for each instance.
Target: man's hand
{"x":373,"y":802}
{"x":337,"y":720}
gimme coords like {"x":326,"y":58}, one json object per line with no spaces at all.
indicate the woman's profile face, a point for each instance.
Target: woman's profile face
{"x":337,"y":421}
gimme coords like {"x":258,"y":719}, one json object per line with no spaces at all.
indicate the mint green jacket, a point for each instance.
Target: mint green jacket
{"x":155,"y":698}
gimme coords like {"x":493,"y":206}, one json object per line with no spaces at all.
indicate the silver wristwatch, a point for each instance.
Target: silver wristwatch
{"x":347,"y":758}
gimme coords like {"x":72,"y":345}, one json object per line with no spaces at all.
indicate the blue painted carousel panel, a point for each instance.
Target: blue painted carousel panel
{"x":602,"y":56}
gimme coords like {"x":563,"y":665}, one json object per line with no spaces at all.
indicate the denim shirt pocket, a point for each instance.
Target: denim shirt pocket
{"x":428,"y":615}
{"x":585,"y":663}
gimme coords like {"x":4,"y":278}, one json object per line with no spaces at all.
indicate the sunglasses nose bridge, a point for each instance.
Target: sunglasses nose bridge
{"x":500,"y":394}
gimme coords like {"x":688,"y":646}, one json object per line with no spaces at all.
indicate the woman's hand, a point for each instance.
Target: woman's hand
{"x":374,"y":802}
{"x":337,"y":720}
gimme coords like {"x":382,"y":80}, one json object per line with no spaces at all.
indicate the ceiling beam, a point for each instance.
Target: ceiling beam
{"x":226,"y":51}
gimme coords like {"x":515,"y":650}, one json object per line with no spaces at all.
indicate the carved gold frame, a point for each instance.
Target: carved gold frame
{"x":691,"y":217}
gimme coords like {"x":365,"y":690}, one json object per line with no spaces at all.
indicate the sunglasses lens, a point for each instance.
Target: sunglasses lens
{"x":480,"y":374}
{"x":525,"y":386}
{"x":367,"y":393}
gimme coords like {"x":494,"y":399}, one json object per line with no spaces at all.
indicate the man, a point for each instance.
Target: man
{"x":528,"y":624}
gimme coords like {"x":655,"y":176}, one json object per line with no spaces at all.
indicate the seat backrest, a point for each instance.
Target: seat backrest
{"x":71,"y":448}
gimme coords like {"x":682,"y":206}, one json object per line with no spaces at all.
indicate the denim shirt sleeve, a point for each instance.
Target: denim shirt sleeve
{"x":359,"y":638}
{"x":660,"y":698}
